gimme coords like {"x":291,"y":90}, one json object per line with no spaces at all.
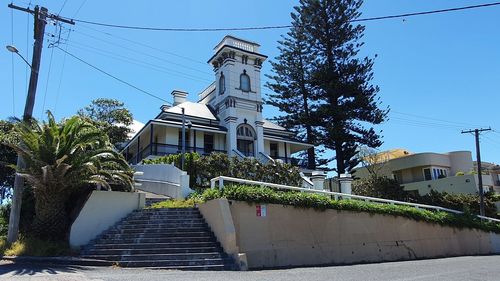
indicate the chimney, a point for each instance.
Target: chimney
{"x":179,"y":97}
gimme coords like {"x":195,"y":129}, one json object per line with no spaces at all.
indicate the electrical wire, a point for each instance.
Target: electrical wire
{"x":62,"y":7}
{"x":79,"y":8}
{"x":47,"y":82}
{"x":110,"y":75}
{"x":145,"y":45}
{"x":281,"y":26}
{"x":140,"y":52}
{"x":135,"y":61}
{"x":61,"y":76}
{"x":434,"y":119}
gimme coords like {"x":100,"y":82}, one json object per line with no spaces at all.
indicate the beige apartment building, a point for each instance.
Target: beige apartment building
{"x":451,"y":172}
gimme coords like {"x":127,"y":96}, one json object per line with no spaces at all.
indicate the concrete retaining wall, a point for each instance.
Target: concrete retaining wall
{"x":102,"y":210}
{"x":163,"y":179}
{"x":288,"y":236}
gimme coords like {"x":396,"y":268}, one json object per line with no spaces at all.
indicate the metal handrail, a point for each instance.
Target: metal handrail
{"x":221,"y":179}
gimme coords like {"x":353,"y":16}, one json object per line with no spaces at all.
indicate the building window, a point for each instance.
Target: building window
{"x":245,"y":82}
{"x":273,"y":150}
{"x":434,"y":173}
{"x":208,"y":143}
{"x":427,"y":174}
{"x":222,"y":84}
{"x":245,"y":140}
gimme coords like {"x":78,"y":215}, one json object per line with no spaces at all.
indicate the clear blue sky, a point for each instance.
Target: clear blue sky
{"x":438,"y":73}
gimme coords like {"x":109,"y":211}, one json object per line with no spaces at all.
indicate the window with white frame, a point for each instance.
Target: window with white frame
{"x":434,"y":173}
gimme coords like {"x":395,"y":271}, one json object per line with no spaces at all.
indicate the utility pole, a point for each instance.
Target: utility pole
{"x":183,"y":139}
{"x":478,"y":160}
{"x":40,"y":15}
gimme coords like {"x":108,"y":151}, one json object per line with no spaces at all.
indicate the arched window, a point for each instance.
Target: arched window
{"x":245,"y":82}
{"x":245,"y":140}
{"x":222,"y":83}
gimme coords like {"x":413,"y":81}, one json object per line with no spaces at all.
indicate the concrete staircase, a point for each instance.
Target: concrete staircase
{"x":151,"y":201}
{"x":161,"y":238}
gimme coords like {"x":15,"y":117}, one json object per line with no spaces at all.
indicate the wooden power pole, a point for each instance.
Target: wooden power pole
{"x":40,"y":15}
{"x":478,"y":160}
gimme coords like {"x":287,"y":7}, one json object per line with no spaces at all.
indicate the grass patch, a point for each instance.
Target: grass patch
{"x":35,"y":247}
{"x":254,"y":194}
{"x":175,"y":203}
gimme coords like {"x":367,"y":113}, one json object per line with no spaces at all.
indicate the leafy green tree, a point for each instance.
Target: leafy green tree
{"x":111,"y":117}
{"x":7,"y":157}
{"x":294,"y":94}
{"x":340,"y":79}
{"x":61,"y":159}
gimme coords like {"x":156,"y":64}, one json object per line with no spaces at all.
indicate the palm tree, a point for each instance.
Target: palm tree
{"x":61,"y":159}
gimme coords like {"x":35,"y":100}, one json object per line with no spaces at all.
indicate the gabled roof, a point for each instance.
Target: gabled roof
{"x":270,"y":125}
{"x":193,"y":109}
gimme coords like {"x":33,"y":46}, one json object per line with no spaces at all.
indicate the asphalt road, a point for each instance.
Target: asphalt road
{"x":461,"y":268}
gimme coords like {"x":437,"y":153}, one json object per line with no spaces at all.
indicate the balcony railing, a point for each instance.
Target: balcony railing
{"x":162,"y":149}
{"x":302,"y":163}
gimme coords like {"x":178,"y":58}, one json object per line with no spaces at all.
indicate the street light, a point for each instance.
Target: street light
{"x":14,"y":50}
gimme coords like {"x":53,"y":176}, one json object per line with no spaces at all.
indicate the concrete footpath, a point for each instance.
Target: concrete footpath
{"x":456,"y":269}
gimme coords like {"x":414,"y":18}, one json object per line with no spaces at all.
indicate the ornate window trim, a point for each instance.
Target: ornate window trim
{"x":243,"y":86}
{"x":222,"y":83}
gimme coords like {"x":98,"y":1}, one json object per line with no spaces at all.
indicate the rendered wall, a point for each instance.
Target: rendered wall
{"x":289,"y":236}
{"x":102,"y":210}
{"x":163,"y":179}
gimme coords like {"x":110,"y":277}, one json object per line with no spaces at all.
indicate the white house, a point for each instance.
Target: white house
{"x":227,"y":117}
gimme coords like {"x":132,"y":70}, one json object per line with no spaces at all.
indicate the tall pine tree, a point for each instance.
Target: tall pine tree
{"x":293,"y":91}
{"x":349,"y":102}
{"x":324,"y":85}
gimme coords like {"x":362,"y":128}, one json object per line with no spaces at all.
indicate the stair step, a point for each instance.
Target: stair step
{"x":217,"y":267}
{"x":126,"y":251}
{"x":161,"y":226}
{"x":163,"y":216}
{"x":157,"y":235}
{"x":162,"y":263}
{"x":158,"y":230}
{"x":154,"y":245}
{"x":168,"y":238}
{"x":162,"y":257}
{"x":161,"y":221}
{"x":157,"y":240}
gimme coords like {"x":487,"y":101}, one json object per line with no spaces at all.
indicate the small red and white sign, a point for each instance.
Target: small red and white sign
{"x":261,"y":210}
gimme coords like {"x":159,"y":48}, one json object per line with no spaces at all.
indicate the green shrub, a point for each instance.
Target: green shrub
{"x":380,"y":187}
{"x":190,"y":165}
{"x":202,"y":169}
{"x":4,"y":219}
{"x":383,"y":187}
{"x":460,"y":173}
{"x":35,"y":247}
{"x":253,"y":194}
{"x":176,"y":203}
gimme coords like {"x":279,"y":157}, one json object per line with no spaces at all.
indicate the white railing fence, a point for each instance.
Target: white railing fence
{"x":218,"y":182}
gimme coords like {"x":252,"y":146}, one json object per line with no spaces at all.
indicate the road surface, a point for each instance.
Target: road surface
{"x":456,"y":269}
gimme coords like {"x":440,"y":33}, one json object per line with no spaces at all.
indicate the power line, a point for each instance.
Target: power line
{"x":135,"y":61}
{"x":61,"y":75}
{"x":112,"y":76}
{"x":47,"y":82}
{"x":462,"y":124}
{"x":282,"y":26}
{"x":145,"y":45}
{"x":62,"y":7}
{"x":79,"y":8}
{"x":140,"y":52}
